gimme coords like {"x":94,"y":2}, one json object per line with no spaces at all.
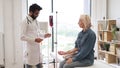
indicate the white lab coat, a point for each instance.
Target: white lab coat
{"x":29,"y":31}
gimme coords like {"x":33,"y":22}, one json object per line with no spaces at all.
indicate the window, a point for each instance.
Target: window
{"x":68,"y":17}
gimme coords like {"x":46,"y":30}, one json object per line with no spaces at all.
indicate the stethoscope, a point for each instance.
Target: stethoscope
{"x":28,"y":21}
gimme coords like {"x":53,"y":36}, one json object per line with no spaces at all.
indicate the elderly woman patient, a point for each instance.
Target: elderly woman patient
{"x":83,"y":53}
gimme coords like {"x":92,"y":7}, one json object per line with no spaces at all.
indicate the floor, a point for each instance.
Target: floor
{"x":97,"y":64}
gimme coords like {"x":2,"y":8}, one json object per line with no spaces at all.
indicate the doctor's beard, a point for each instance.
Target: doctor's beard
{"x":34,"y":17}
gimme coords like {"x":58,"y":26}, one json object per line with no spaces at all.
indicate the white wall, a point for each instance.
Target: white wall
{"x":114,"y":9}
{"x":10,"y":18}
{"x":1,"y":14}
{"x":1,"y":34}
{"x":1,"y":49}
{"x":98,"y":11}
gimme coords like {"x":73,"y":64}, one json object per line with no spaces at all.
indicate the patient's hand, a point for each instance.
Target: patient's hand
{"x":69,"y":60}
{"x":67,"y":56}
{"x":61,"y":52}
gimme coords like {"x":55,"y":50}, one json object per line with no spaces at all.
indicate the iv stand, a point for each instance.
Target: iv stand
{"x":56,"y":41}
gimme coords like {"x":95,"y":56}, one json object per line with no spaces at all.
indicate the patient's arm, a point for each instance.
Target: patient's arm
{"x":72,"y":51}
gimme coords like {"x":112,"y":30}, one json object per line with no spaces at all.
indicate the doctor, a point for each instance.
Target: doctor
{"x":30,"y":34}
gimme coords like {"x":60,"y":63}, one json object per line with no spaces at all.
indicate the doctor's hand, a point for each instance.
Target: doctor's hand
{"x":38,"y":40}
{"x":47,"y":35}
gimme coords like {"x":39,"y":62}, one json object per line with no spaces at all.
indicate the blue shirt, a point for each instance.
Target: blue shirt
{"x":85,"y":43}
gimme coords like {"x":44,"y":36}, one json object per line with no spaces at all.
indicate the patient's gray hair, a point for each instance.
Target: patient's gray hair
{"x":86,"y":21}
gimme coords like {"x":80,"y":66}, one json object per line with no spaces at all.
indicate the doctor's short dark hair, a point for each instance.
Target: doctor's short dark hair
{"x":34,"y":7}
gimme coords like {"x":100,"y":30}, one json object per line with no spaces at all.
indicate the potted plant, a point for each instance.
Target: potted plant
{"x":107,"y":46}
{"x":114,"y":29}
